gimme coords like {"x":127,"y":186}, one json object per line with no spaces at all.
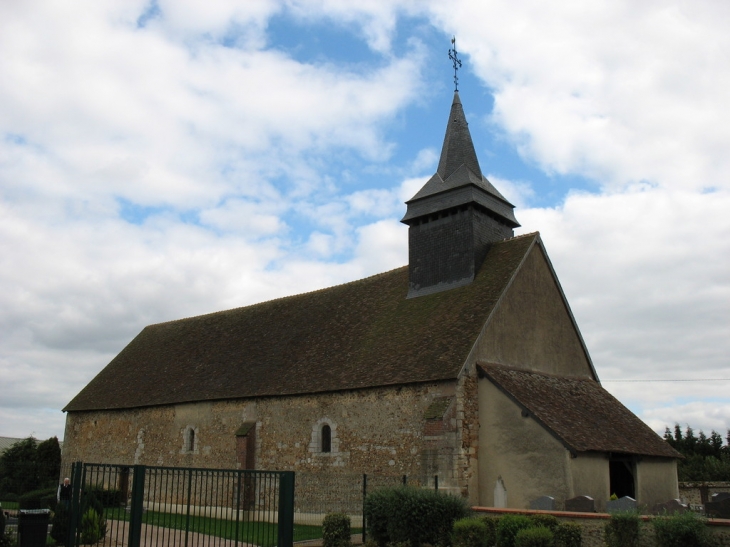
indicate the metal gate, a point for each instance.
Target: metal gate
{"x":145,"y":506}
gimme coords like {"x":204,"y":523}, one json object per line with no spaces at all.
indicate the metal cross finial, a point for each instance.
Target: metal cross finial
{"x":457,"y":63}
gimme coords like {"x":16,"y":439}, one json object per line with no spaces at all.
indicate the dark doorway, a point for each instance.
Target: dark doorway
{"x":621,"y":470}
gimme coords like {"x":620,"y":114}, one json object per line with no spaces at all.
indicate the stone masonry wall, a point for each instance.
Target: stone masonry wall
{"x":378,"y":431}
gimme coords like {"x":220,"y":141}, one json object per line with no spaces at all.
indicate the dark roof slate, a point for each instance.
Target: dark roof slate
{"x":458,"y":169}
{"x":352,"y":336}
{"x":579,"y":412}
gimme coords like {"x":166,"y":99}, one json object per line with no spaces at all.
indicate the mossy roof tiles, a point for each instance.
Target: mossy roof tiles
{"x":352,"y":336}
{"x":579,"y":412}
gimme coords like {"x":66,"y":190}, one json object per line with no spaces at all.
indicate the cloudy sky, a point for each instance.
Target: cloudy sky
{"x":164,"y":159}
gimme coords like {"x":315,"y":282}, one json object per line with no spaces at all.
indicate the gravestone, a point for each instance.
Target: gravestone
{"x":669,"y":508}
{"x":626,"y":503}
{"x":720,"y":496}
{"x":544,"y":503}
{"x":718,"y":509}
{"x":580,"y":504}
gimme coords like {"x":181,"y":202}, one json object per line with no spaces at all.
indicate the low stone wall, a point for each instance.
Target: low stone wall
{"x":699,"y":493}
{"x":593,"y":525}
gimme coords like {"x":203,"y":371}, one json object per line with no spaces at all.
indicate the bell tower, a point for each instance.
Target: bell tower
{"x":455,"y":217}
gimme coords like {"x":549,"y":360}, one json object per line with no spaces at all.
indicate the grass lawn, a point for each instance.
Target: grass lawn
{"x":258,"y":533}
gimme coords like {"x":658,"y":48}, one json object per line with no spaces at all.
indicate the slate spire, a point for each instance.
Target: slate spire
{"x":455,"y":217}
{"x":458,"y":147}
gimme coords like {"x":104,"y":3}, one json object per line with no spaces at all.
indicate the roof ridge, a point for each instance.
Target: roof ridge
{"x":279,"y":298}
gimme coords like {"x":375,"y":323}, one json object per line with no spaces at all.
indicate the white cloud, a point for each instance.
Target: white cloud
{"x":613,"y":90}
{"x":222,"y":153}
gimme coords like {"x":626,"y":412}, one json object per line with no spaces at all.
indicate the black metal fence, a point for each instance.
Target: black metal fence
{"x":146,"y":506}
{"x":135,"y":506}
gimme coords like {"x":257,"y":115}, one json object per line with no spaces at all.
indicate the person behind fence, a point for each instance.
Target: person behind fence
{"x":64,"y":492}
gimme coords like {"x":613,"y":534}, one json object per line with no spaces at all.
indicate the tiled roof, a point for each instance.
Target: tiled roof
{"x":361,"y":334}
{"x":7,"y":442}
{"x":579,"y":412}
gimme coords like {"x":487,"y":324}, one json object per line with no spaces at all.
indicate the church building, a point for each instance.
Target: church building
{"x":467,"y":364}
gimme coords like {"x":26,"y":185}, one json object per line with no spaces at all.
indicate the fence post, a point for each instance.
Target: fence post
{"x":405,"y":480}
{"x":364,"y":495}
{"x":436,"y":483}
{"x":75,"y":507}
{"x":136,"y":507}
{"x":286,"y":509}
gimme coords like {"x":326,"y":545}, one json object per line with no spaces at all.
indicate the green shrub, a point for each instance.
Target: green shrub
{"x":107,"y":497}
{"x":546,"y":521}
{"x":89,"y":501}
{"x":407,"y":514}
{"x":622,"y":530}
{"x":336,"y":530}
{"x":470,"y":532}
{"x":59,"y":524}
{"x":491,"y":523}
{"x":568,"y":534}
{"x":2,"y":522}
{"x":682,"y":530}
{"x":44,"y":498}
{"x":539,"y":536}
{"x":378,"y":508}
{"x":508,"y":527}
{"x":90,"y":530}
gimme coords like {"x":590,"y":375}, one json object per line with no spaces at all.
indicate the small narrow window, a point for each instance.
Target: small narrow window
{"x":326,"y":438}
{"x":191,"y":440}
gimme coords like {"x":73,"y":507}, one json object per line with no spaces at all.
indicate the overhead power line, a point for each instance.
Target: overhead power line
{"x":682,"y":380}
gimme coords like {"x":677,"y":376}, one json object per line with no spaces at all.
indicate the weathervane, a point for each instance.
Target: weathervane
{"x":457,"y":63}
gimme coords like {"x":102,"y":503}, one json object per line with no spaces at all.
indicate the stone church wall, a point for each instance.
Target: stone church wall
{"x":380,"y":431}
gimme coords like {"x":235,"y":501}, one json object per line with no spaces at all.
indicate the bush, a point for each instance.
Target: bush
{"x":59,"y":524}
{"x":412,"y":515}
{"x":538,"y":536}
{"x":336,"y":530}
{"x":682,"y":530}
{"x":470,"y":532}
{"x":622,"y":530}
{"x":44,"y":498}
{"x":89,"y":501}
{"x":546,"y":521}
{"x":90,"y":529}
{"x":2,"y":522}
{"x":491,"y":532}
{"x":568,"y":534}
{"x":107,"y":497}
{"x":378,"y":508}
{"x":508,"y":527}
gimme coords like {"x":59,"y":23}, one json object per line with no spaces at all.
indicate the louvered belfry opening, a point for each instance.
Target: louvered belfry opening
{"x":455,"y":217}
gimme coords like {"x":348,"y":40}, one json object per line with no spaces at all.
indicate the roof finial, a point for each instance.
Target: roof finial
{"x":457,"y":63}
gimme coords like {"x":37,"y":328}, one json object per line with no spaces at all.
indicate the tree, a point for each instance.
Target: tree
{"x":28,"y":466}
{"x":48,"y":460}
{"x":17,"y":467}
{"x":705,"y":458}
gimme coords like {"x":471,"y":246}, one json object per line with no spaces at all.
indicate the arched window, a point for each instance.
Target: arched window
{"x":326,"y":438}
